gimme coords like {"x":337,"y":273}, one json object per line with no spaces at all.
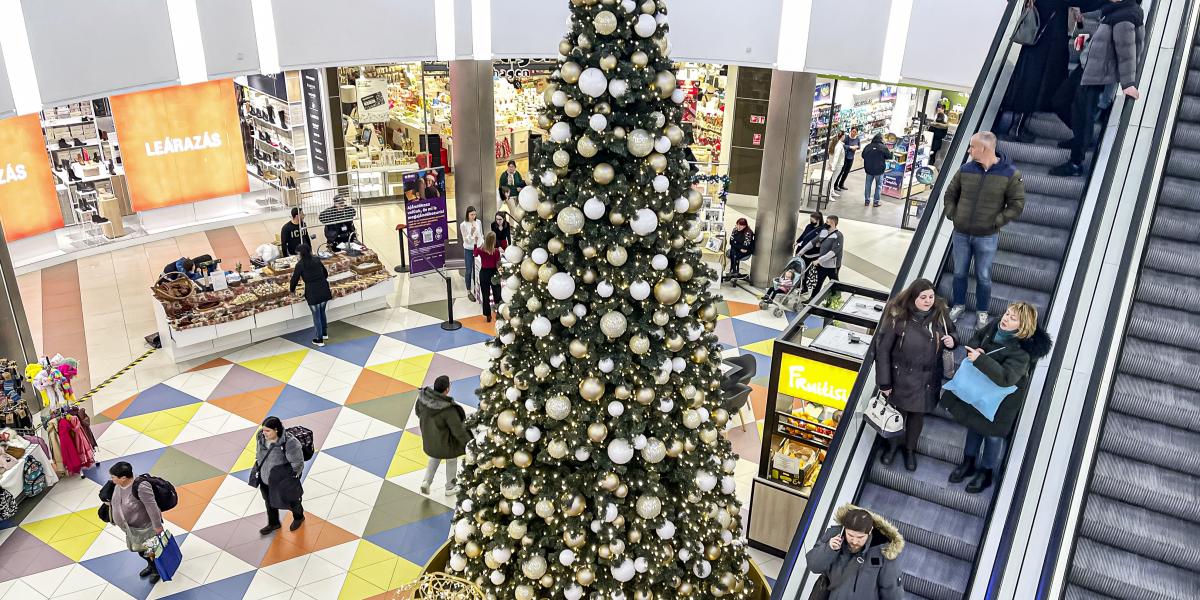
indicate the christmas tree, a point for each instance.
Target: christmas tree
{"x":597,"y":468}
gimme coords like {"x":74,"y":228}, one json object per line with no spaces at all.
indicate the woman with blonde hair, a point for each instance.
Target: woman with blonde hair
{"x":1006,"y":351}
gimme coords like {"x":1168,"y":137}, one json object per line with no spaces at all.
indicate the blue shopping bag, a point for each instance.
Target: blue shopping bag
{"x":168,"y":560}
{"x":977,"y":389}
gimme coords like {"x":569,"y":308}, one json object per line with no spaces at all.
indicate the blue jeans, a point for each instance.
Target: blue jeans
{"x":993,"y":450}
{"x":983,"y":250}
{"x":877,"y":182}
{"x":320,"y":323}
{"x":470,"y":273}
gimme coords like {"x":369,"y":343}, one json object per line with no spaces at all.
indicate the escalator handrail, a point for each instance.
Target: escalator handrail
{"x":915,"y":261}
{"x":1112,"y":341}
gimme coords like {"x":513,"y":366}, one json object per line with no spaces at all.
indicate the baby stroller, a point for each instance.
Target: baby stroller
{"x":783,"y":297}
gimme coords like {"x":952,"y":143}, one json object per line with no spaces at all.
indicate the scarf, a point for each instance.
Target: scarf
{"x":1002,"y":336}
{"x":1128,"y":11}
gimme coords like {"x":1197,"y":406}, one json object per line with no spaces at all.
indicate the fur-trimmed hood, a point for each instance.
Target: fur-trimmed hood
{"x":885,"y":536}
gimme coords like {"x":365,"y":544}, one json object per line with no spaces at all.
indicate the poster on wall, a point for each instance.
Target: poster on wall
{"x":425,"y":214}
{"x":372,"y":100}
{"x":28,"y":200}
{"x":314,"y":117}
{"x":181,"y":144}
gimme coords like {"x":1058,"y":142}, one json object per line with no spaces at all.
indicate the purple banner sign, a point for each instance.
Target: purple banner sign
{"x":425,"y":213}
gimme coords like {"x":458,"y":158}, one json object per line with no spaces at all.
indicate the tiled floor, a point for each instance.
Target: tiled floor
{"x":368,"y":529}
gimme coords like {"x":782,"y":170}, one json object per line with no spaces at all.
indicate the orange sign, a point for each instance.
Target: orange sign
{"x":28,"y":200}
{"x":181,"y":144}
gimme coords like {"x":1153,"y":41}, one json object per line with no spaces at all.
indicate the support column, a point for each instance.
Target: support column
{"x":16,"y":343}
{"x":472,"y":115}
{"x":781,"y":184}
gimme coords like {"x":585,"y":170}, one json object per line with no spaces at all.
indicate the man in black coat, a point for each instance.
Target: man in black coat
{"x":875,"y":157}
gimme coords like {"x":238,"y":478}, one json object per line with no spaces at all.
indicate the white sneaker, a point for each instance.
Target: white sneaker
{"x":982,"y":318}
{"x":425,"y":487}
{"x":452,"y":490}
{"x":956,"y":312}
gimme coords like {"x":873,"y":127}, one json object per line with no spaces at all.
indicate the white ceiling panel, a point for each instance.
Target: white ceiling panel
{"x":939,"y":54}
{"x":528,"y":28}
{"x":720,"y":31}
{"x":86,"y":49}
{"x":313,"y":33}
{"x":230,"y":46}
{"x":8,"y":107}
{"x":846,"y":37}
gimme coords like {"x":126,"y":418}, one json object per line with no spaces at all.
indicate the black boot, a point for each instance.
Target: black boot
{"x":964,"y":470}
{"x":148,"y":570}
{"x":888,"y":455}
{"x":981,"y":482}
{"x":910,"y":460}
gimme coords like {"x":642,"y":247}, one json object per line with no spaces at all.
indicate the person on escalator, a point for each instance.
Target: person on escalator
{"x":986,"y":194}
{"x":1113,"y":58}
{"x":1005,"y":351}
{"x":908,"y":361}
{"x":856,"y":559}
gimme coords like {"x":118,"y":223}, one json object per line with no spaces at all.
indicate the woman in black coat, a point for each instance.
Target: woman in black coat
{"x":741,"y":247}
{"x":806,"y":278}
{"x":1005,"y":350}
{"x":908,"y":361}
{"x":502,"y":230}
{"x":316,"y":290}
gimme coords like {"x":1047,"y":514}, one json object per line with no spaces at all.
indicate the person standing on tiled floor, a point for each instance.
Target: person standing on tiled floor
{"x":278,"y":464}
{"x":135,"y":511}
{"x":443,"y":435}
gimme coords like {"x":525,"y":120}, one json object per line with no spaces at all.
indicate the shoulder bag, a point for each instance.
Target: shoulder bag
{"x":977,"y":389}
{"x":255,"y":477}
{"x":1029,"y":26}
{"x":949,"y":365}
{"x":883,"y":417}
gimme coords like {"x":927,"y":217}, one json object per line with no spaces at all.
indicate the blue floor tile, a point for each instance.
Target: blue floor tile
{"x":142,"y":462}
{"x":372,"y":455}
{"x":416,"y":542}
{"x":233,"y":588}
{"x":463,"y":391}
{"x":295,"y":402}
{"x":436,"y":339}
{"x":158,"y":397}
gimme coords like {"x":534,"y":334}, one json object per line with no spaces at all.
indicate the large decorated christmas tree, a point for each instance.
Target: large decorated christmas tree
{"x":598,"y":469}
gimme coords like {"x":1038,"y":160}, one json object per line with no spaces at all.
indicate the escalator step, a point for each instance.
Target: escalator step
{"x":1187,"y":135}
{"x":1019,"y":273}
{"x":1074,"y":592}
{"x":1049,"y":126}
{"x":931,"y":574}
{"x":930,"y":482}
{"x":1152,"y":443}
{"x":1191,"y":86}
{"x":1176,"y":224}
{"x":1169,"y":289}
{"x":1002,"y":296}
{"x":1189,"y":109}
{"x":1194,"y":59}
{"x":942,"y":439}
{"x":1035,"y":240}
{"x":1021,"y":153}
{"x":1180,"y":192}
{"x":1173,"y":257}
{"x":1159,"y":401}
{"x":1064,"y":187}
{"x":1161,"y":490}
{"x":1161,"y":363}
{"x":1144,"y":532}
{"x":1040,"y":210}
{"x":1124,"y":575}
{"x":1164,"y":325}
{"x":933,"y":526}
{"x":1182,"y":163}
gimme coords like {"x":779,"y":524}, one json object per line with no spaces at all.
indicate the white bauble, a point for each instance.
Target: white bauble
{"x":728,"y":485}
{"x":561,"y":132}
{"x":681,"y":204}
{"x":501,"y":554}
{"x":641,"y":564}
{"x":593,"y":82}
{"x":655,"y":451}
{"x":496,"y":578}
{"x":645,"y":221}
{"x":514,"y":253}
{"x":508,"y":338}
{"x":613,"y":324}
{"x":620,"y":451}
{"x":639,"y":442}
{"x":694,"y":332}
{"x":573,"y":592}
{"x":513,"y":283}
{"x":666,"y":406}
{"x":582,"y":454}
{"x":463,"y":530}
{"x":649,"y":507}
{"x":628,"y":6}
{"x":561,"y":286}
{"x":605,"y":289}
{"x":558,"y":407}
{"x":533,"y":434}
{"x":606,"y":365}
{"x":540,"y":326}
{"x":659,"y":118}
{"x":598,"y":122}
{"x":660,"y":18}
{"x":682,"y":310}
{"x":666,"y":531}
{"x":645,"y":26}
{"x":678,"y":364}
{"x":559,"y":98}
{"x":566,"y":558}
{"x":702,"y":569}
{"x":529,"y":197}
{"x":662,"y":145}
{"x":593,"y":208}
{"x":639,"y":290}
{"x":706,"y":481}
{"x":659,"y":262}
{"x":580,"y":311}
{"x":570,"y":220}
{"x":661,"y":184}
{"x":618,"y":87}
{"x":616,"y":408}
{"x":678,"y":96}
{"x":458,"y":562}
{"x":639,"y":142}
{"x":540,"y":256}
{"x":557,"y":360}
{"x":624,"y":571}
{"x":493,"y":351}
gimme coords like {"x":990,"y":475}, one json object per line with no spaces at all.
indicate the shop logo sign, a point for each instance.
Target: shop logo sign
{"x":174,"y":145}
{"x":12,"y":173}
{"x":815,"y":381}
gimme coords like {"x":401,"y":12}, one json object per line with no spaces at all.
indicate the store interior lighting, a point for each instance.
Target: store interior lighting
{"x":189,"y":45}
{"x":18,"y":58}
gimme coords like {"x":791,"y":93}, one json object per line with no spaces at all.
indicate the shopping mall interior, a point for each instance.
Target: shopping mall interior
{"x":600,"y":299}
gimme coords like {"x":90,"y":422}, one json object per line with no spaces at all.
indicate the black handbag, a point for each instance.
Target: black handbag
{"x":949,"y":364}
{"x":820,"y":590}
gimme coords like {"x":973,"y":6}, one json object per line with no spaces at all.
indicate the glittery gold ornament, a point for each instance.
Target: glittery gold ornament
{"x":661,"y":317}
{"x":708,"y":436}
{"x":522,"y":459}
{"x":544,"y":508}
{"x":605,"y":22}
{"x":586,"y":146}
{"x":591,"y":388}
{"x":616,"y":218}
{"x":578,"y":348}
{"x":604,"y":552}
{"x":622,"y":392}
{"x":721,"y":417}
{"x":617,"y":255}
{"x":640,"y":58}
{"x":667,"y":291}
{"x":567,"y":320}
{"x":545,"y":272}
{"x":610,"y":482}
{"x":675,"y":449}
{"x":597,"y":432}
{"x":639,"y":344}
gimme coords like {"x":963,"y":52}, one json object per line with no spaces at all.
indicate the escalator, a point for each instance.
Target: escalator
{"x":1137,"y":533}
{"x":941,"y":523}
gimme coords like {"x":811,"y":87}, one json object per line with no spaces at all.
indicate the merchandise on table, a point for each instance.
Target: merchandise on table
{"x":261,"y":290}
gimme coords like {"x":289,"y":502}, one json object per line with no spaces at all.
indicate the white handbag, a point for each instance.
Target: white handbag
{"x":884,"y":417}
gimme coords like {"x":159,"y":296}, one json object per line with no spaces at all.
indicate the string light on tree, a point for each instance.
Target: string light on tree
{"x":596,"y":469}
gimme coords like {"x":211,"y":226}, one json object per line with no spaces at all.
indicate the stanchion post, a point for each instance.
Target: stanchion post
{"x":450,"y":324}
{"x":403,"y":268}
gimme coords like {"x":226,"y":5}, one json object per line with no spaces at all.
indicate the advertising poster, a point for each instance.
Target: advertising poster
{"x":181,"y":144}
{"x":815,"y":381}
{"x":372,"y":100}
{"x":425,"y":213}
{"x":28,"y":200}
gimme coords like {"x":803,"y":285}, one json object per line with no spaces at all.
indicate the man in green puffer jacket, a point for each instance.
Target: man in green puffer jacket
{"x":985,"y":194}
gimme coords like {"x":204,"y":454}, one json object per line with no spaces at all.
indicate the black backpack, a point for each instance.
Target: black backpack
{"x":165,"y":495}
{"x":303,"y":435}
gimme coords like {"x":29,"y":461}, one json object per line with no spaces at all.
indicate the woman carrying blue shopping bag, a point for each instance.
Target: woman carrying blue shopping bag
{"x":989,"y":389}
{"x":136,"y":512}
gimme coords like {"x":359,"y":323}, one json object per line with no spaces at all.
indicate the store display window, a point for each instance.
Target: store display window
{"x":271,"y":108}
{"x":704,"y":110}
{"x":518,"y":86}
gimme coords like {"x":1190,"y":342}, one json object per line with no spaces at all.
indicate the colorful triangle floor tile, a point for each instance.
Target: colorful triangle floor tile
{"x":158,"y":398}
{"x":70,"y":534}
{"x":372,"y":385}
{"x":294,"y":402}
{"x":240,"y":380}
{"x":163,"y":425}
{"x":254,"y":405}
{"x":373,"y":455}
{"x":233,"y":588}
{"x":408,"y":370}
{"x":280,"y":367}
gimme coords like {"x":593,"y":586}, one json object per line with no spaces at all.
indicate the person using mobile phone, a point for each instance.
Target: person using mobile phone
{"x":857,"y":558}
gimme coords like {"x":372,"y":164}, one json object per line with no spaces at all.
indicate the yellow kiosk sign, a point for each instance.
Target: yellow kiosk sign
{"x":815,"y":381}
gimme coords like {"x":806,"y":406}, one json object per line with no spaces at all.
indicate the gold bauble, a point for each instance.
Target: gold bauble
{"x":689,"y":445}
{"x":622,"y":392}
{"x":578,"y":348}
{"x":616,"y":218}
{"x":700,"y":355}
{"x":567,"y":320}
{"x":589,"y":276}
{"x":648,"y":7}
{"x":635,"y":536}
{"x":708,"y":313}
{"x":589,"y":252}
{"x":575,"y":507}
{"x":661,"y":318}
{"x":573,"y":108}
{"x":668,"y":291}
{"x":533,"y":305}
{"x":546,"y":271}
{"x":487,"y":378}
{"x":561,"y":158}
{"x":684,"y":271}
{"x":639,"y":344}
{"x":603,"y":173}
{"x":619,"y":133}
{"x":585,"y":576}
{"x":721,"y":417}
{"x":564,"y":48}
{"x":675,"y":449}
{"x":546,"y":581}
{"x":712,"y":552}
{"x":545,"y":209}
{"x":640,"y":58}
{"x":708,"y":436}
{"x":544,"y":508}
{"x":605,"y":22}
{"x":499,"y":462}
{"x":619,"y":522}
{"x":545,"y":122}
{"x":657,"y":162}
{"x":554,"y":246}
{"x":528,"y":225}
{"x":574,"y":540}
{"x":523,"y":592}
{"x":522,"y":459}
{"x":675,"y":343}
{"x":695,"y":200}
{"x":473,"y":550}
{"x":506,"y":420}
{"x":678,"y":242}
{"x":490,"y":562}
{"x":610,"y":482}
{"x":645,"y":395}
{"x":685,"y":589}
{"x":584,"y":41}
{"x":570,"y":71}
{"x":728,"y":581}
{"x":674,"y":133}
{"x":529,"y":269}
{"x":617,"y":255}
{"x":608,"y":62}
{"x":591,"y":388}
{"x":622,"y":491}
{"x":643,"y":595}
{"x":603,"y":108}
{"x":604,"y":552}
{"x":597,"y":432}
{"x":586,"y":146}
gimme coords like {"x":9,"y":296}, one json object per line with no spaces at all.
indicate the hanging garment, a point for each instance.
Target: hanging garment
{"x":55,"y":448}
{"x":72,"y":463}
{"x":87,"y":457}
{"x":33,"y":439}
{"x":86,"y":422}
